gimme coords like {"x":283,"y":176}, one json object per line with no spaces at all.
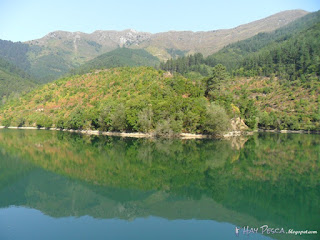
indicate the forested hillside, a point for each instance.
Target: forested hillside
{"x":297,"y":57}
{"x":242,"y":53}
{"x":121,"y":57}
{"x":120,"y":99}
{"x":273,"y":78}
{"x":13,"y":81}
{"x":15,"y":53}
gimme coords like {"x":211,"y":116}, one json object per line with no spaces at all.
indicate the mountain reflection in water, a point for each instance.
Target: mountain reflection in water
{"x":270,"y":179}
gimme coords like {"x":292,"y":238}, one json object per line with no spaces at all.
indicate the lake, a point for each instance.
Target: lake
{"x":60,"y":185}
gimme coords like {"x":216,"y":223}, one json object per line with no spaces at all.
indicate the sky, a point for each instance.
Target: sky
{"x":22,"y":20}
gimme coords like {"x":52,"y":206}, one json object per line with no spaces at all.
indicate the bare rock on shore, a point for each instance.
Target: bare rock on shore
{"x":237,"y":124}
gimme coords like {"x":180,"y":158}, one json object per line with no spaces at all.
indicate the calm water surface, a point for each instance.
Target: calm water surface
{"x":57,"y":185}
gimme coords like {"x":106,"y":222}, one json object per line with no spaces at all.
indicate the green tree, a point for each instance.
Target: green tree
{"x":118,"y":118}
{"x":145,"y":119}
{"x":218,"y":79}
{"x":217,"y":120}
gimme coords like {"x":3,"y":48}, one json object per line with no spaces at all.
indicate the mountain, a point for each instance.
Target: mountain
{"x":210,"y":42}
{"x":120,"y":57}
{"x":241,"y":53}
{"x":232,"y":54}
{"x":58,"y":52}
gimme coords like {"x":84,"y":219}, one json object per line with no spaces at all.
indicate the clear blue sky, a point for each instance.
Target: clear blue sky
{"x":22,"y":20}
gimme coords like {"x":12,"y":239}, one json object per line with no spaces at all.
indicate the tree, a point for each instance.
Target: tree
{"x":219,"y":76}
{"x":145,"y":119}
{"x":218,"y":79}
{"x":118,"y":118}
{"x":217,"y":120}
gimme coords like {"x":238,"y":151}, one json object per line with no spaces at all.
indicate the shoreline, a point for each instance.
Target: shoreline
{"x":138,"y":134}
{"x":150,"y":135}
{"x":289,"y":131}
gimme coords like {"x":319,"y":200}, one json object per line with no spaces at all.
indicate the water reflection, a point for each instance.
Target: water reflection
{"x":268,"y":179}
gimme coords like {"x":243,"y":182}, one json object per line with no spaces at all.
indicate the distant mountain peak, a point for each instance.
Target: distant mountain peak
{"x":67,"y":50}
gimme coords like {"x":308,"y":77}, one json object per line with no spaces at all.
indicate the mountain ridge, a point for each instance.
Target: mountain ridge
{"x":58,"y":52}
{"x":111,"y":39}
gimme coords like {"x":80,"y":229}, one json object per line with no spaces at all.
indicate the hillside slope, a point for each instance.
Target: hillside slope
{"x":119,"y":99}
{"x":13,"y":81}
{"x":231,"y":55}
{"x":121,"y":57}
{"x":210,"y":42}
{"x":16,"y":53}
{"x":252,"y":53}
{"x":58,"y":52}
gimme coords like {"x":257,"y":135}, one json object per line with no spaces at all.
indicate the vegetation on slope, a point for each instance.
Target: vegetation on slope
{"x":13,"y":81}
{"x":297,"y":57}
{"x":15,"y":53}
{"x":302,"y":33}
{"x":120,"y":57}
{"x":120,"y":99}
{"x":282,"y":70}
{"x":276,"y":105}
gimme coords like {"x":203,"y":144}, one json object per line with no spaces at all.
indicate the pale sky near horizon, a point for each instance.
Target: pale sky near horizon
{"x":22,"y":20}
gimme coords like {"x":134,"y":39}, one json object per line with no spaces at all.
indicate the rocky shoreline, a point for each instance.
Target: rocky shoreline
{"x":138,"y":134}
{"x":150,"y":135}
{"x":289,"y":131}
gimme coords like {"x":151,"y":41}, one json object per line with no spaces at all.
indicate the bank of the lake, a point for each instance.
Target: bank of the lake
{"x":140,"y":134}
{"x":180,"y":136}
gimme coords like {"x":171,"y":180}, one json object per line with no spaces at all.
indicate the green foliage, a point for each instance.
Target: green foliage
{"x":297,"y":57}
{"x":217,"y":120}
{"x":118,"y":118}
{"x":13,"y":81}
{"x":186,"y":64}
{"x":121,"y":99}
{"x":241,"y":58}
{"x":6,"y":122}
{"x":145,"y":119}
{"x":42,"y":120}
{"x":119,"y":57}
{"x":168,"y":127}
{"x":49,"y":67}
{"x":76,"y":120}
{"x":16,"y":53}
{"x":214,"y":84}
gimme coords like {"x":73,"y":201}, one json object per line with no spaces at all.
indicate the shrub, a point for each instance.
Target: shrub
{"x":60,"y":124}
{"x":43,"y":121}
{"x":21,"y":121}
{"x":104,"y":119}
{"x":76,"y":119}
{"x":217,"y":120}
{"x":163,"y":128}
{"x":6,"y":122}
{"x":118,"y":118}
{"x":145,"y":119}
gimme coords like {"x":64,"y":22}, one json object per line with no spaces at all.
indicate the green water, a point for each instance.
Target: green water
{"x":57,"y":185}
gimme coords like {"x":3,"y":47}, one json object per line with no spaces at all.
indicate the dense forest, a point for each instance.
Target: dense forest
{"x":120,"y":57}
{"x":13,"y":81}
{"x":120,"y":99}
{"x":16,"y":53}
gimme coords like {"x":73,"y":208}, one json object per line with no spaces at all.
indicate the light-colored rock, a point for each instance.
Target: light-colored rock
{"x":237,"y":124}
